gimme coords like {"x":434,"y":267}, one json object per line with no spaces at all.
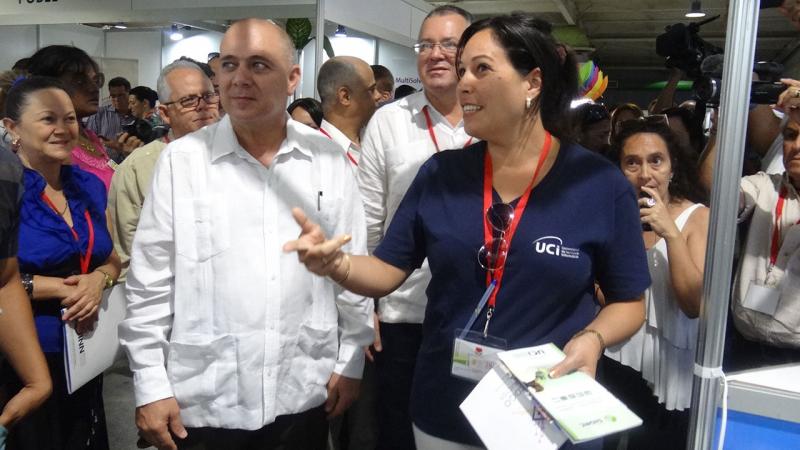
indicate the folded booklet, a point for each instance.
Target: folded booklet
{"x":90,"y":354}
{"x":581,"y":407}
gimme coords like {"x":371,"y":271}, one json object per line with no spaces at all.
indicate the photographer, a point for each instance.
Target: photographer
{"x":766,"y":297}
{"x":141,"y":103}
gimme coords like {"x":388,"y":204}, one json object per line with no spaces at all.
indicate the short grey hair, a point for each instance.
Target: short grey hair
{"x":335,"y":73}
{"x":164,"y":90}
{"x":444,"y":10}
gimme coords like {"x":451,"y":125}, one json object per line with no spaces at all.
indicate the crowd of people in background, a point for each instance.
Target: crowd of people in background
{"x":301,"y":277}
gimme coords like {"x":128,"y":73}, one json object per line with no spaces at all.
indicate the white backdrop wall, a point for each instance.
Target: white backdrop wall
{"x":401,"y":61}
{"x":196,"y":45}
{"x":19,"y":41}
{"x":142,"y":46}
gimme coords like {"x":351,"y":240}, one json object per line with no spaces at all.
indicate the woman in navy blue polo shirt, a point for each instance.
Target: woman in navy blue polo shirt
{"x":520,"y":224}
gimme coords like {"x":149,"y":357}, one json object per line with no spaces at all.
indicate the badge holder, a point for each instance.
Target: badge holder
{"x":475,"y":353}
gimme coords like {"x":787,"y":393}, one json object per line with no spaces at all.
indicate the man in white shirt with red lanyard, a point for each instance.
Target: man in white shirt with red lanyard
{"x":400,"y":137}
{"x":226,"y":334}
{"x":349,"y":97}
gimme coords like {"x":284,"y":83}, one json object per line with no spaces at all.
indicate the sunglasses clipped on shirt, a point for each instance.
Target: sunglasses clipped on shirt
{"x":492,"y":256}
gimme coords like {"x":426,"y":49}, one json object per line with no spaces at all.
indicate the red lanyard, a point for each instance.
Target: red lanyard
{"x":518,"y":210}
{"x":433,"y":135}
{"x":352,"y":160}
{"x":86,"y":257}
{"x":776,"y":233}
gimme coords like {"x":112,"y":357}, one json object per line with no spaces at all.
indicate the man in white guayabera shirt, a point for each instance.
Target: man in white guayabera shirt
{"x":398,"y":139}
{"x":227,"y":335}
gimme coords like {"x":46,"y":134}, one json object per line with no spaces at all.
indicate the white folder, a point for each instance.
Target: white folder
{"x":90,"y":354}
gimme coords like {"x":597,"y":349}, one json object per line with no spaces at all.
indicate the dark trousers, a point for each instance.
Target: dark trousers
{"x":660,"y":429}
{"x":302,"y":431}
{"x":357,"y":428}
{"x":394,"y":369}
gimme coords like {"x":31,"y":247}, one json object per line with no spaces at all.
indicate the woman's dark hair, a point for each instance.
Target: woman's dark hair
{"x":529,"y":45}
{"x":18,"y":95}
{"x":312,"y":106}
{"x":144,"y":93}
{"x":693,"y":125}
{"x":625,"y":107}
{"x":404,"y":90}
{"x":684,"y":183}
{"x":58,"y":60}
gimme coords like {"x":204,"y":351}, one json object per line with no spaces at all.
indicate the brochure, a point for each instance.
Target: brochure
{"x":90,"y":354}
{"x":502,"y":412}
{"x":581,"y":407}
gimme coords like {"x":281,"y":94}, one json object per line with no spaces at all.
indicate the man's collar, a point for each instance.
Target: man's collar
{"x":225,"y":141}
{"x":336,"y":135}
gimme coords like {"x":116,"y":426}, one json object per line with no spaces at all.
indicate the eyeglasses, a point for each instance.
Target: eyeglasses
{"x":492,"y":255}
{"x":652,"y":119}
{"x":448,"y":47}
{"x":193,"y":101}
{"x":212,"y":55}
{"x":83,"y":82}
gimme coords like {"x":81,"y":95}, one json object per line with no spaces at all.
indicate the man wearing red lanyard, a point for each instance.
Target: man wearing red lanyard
{"x":400,"y":137}
{"x":349,"y":97}
{"x":766,"y":299}
{"x":188,"y":102}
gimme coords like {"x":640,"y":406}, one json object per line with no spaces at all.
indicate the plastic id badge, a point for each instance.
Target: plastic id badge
{"x":474,"y":356}
{"x":761,"y":298}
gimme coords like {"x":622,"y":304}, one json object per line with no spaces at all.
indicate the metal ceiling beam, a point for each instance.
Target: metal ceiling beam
{"x":567,"y":10}
{"x":202,"y":25}
{"x":653,"y":39}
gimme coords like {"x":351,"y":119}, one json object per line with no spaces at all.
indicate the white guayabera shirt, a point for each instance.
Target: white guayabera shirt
{"x":219,"y":316}
{"x":396,"y":143}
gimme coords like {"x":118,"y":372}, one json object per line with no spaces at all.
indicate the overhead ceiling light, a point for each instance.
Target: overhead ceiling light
{"x":120,"y":26}
{"x":695,"y":10}
{"x":176,"y":34}
{"x":340,"y":31}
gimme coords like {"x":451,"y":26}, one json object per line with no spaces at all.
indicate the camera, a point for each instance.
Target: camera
{"x":683,"y":48}
{"x":765,"y":92}
{"x":144,"y":131}
{"x":761,"y":92}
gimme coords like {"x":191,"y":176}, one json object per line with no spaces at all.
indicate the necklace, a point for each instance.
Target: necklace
{"x":88,"y":146}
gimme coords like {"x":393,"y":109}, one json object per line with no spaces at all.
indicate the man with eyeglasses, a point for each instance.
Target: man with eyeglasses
{"x":400,"y":137}
{"x":188,"y":103}
{"x":107,"y":123}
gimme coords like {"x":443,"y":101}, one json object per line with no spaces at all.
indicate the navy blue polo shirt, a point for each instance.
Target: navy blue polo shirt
{"x":581,"y":224}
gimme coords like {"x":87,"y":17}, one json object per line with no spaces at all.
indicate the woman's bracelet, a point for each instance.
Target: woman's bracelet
{"x":594,"y":332}
{"x":347,"y":272}
{"x":108,"y":280}
{"x":27,"y":283}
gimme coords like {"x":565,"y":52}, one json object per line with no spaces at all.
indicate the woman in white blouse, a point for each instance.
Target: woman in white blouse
{"x":652,"y":371}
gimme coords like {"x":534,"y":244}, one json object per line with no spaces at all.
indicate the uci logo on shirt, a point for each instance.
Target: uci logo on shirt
{"x":554,"y":246}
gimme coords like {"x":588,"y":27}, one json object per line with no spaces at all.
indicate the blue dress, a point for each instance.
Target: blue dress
{"x":47,"y":247}
{"x":581,"y":224}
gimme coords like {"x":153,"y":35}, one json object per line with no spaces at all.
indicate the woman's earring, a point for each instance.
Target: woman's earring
{"x":15,"y":143}
{"x":528,"y":102}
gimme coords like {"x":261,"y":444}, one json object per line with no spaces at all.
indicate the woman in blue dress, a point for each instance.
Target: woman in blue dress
{"x":66,"y":257}
{"x":524,"y":219}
